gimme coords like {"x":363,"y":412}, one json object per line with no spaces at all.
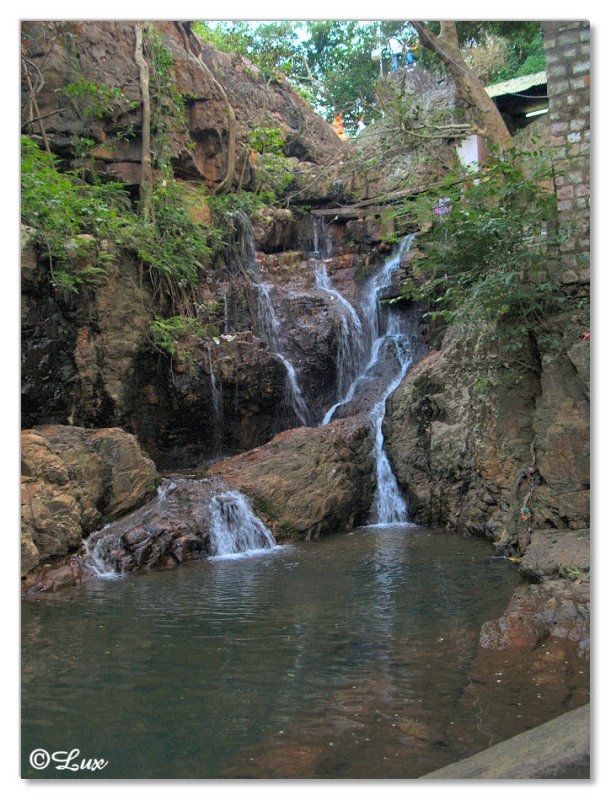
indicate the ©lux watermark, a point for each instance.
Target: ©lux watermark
{"x":65,"y":760}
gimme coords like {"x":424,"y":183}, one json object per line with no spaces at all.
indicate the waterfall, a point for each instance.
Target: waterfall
{"x":269,"y":330}
{"x":350,"y":335}
{"x":217,"y":407}
{"x":99,"y":556}
{"x":235,"y":529}
{"x":350,"y":344}
{"x":394,"y":340}
{"x":269,"y":326}
{"x":225,"y":314}
{"x":378,"y":319}
{"x":320,"y":245}
{"x":389,"y":507}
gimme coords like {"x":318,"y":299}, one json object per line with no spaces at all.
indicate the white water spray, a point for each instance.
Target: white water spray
{"x":235,"y":529}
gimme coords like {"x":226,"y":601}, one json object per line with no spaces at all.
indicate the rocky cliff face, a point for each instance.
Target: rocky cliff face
{"x":101,"y":54}
{"x":495,"y":446}
{"x":88,"y":358}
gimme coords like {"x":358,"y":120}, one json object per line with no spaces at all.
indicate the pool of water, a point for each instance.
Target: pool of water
{"x":341,"y":658}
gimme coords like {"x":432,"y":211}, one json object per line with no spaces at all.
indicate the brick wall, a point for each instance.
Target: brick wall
{"x":567,"y":54}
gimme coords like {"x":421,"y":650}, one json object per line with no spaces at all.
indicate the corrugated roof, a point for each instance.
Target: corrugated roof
{"x":517,"y":84}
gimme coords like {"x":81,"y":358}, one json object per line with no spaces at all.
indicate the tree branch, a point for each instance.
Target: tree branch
{"x":193,"y":46}
{"x":146,"y":172}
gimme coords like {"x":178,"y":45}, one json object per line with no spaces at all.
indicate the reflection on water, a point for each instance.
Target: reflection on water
{"x":341,"y":658}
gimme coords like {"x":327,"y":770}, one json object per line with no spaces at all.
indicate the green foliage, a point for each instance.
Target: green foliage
{"x":524,"y":57}
{"x":267,"y":140}
{"x":168,"y":106}
{"x":167,"y":333}
{"x":226,"y":209}
{"x":59,"y":207}
{"x":173,"y":246}
{"x":570,"y":572}
{"x":486,"y":242}
{"x":273,"y":171}
{"x":327,"y":61}
{"x":272,"y":46}
{"x":96,"y":100}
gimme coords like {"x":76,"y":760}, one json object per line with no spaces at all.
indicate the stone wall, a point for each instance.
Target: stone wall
{"x":567,"y":53}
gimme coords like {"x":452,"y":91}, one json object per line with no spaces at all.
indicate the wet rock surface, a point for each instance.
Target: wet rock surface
{"x":81,"y":353}
{"x":172,"y":528}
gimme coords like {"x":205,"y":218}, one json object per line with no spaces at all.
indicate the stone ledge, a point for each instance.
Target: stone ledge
{"x":558,"y":749}
{"x":552,"y":552}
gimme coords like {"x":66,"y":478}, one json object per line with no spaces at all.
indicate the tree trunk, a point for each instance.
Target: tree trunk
{"x":192,"y":46}
{"x":146,"y":173}
{"x":471,"y":91}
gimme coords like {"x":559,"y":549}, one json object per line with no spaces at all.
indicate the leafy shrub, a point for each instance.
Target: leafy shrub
{"x":486,"y":242}
{"x":273,"y":171}
{"x":96,"y":100}
{"x":173,"y":246}
{"x":59,"y":207}
{"x":166,"y":333}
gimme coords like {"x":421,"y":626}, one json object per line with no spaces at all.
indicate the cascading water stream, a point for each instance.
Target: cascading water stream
{"x":377,"y":321}
{"x":389,"y":506}
{"x":269,"y":326}
{"x":217,"y":407}
{"x":235,"y":529}
{"x":351,"y":344}
{"x":351,"y":340}
{"x":393,"y":336}
{"x":269,"y":329}
{"x":224,"y":525}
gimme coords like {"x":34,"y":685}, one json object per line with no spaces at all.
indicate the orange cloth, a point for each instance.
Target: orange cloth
{"x":338,"y":126}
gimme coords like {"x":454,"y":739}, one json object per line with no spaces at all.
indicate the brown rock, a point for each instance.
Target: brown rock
{"x":101,"y":52}
{"x":557,"y":553}
{"x":73,"y":480}
{"x":308,"y":481}
{"x":462,"y":433}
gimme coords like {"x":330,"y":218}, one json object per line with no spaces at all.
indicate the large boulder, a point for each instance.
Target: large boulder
{"x":74,"y":480}
{"x":308,"y":482}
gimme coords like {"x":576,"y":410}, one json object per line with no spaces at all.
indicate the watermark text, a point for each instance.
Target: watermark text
{"x":65,"y":760}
